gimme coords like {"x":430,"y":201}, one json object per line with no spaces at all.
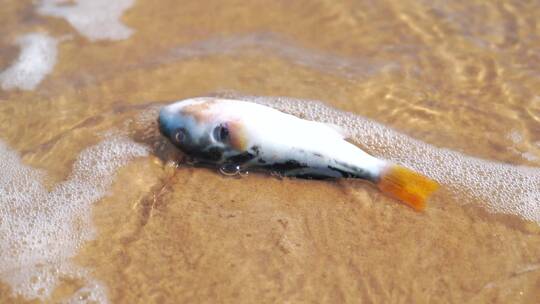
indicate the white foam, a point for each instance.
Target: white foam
{"x":498,"y":187}
{"x":36,"y":59}
{"x":41,"y":230}
{"x":94,"y":19}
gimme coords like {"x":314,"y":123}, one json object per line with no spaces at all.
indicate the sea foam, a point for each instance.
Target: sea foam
{"x":36,"y":59}
{"x":41,"y":230}
{"x":94,"y":19}
{"x":498,"y":187}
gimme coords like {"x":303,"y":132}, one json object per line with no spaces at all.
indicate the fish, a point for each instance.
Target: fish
{"x":220,"y":132}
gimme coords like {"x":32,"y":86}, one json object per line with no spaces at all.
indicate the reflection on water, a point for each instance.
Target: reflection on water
{"x":272,"y":43}
{"x":96,"y":206}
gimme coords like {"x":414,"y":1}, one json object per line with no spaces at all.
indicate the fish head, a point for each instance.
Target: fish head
{"x":205,"y":129}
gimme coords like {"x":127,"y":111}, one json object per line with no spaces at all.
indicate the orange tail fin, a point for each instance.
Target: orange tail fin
{"x":406,"y":185}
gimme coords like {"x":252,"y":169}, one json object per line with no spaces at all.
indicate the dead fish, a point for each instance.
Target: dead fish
{"x":224,"y":131}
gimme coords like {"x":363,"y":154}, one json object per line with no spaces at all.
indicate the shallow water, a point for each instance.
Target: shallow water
{"x":96,"y":206}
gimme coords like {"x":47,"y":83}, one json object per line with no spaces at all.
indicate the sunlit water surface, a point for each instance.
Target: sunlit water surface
{"x":95,"y":206}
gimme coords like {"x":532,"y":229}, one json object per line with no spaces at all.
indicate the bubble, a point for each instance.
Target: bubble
{"x":497,"y":187}
{"x":515,"y":136}
{"x":40,"y":230}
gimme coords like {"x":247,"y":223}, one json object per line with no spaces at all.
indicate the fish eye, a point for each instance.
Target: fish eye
{"x":221,"y":133}
{"x":178,"y":136}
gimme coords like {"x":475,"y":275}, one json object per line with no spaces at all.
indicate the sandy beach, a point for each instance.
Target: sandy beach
{"x":96,"y":206}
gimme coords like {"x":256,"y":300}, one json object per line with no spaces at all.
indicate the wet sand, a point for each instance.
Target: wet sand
{"x":164,"y":234}
{"x":204,"y":238}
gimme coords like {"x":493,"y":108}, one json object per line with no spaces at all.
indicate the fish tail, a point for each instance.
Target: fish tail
{"x":408,"y":186}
